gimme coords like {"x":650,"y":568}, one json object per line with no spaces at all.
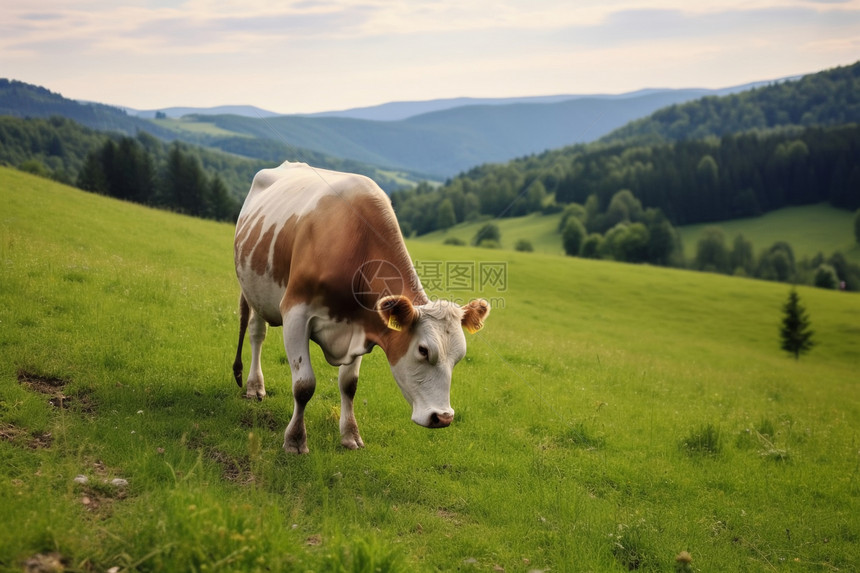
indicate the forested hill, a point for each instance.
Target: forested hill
{"x":19,"y":99}
{"x":831,"y":97}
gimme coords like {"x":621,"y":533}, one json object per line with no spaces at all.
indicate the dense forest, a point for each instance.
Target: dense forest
{"x":831,"y":97}
{"x":737,"y":175}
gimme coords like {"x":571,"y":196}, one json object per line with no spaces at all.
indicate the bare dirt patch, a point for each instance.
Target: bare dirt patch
{"x":232,"y":469}
{"x":258,"y":418}
{"x":21,"y":437}
{"x":54,"y":388}
{"x":47,"y":385}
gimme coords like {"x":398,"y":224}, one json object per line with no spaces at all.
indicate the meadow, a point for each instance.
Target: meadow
{"x":809,"y":230}
{"x":610,"y":417}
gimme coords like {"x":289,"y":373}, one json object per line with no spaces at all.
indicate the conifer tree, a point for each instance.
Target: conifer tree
{"x":795,"y":331}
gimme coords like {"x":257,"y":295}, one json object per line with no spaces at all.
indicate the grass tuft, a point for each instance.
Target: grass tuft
{"x":705,"y":440}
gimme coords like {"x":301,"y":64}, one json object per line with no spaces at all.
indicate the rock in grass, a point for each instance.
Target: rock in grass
{"x":45,"y":563}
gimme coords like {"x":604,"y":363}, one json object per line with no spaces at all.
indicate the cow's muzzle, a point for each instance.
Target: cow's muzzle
{"x":439,"y":419}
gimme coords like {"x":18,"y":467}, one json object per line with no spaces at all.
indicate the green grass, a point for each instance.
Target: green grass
{"x":809,"y":230}
{"x":541,"y":230}
{"x":609,"y":417}
{"x":196,"y":126}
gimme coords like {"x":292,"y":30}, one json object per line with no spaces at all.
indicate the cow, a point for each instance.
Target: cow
{"x":321,"y":254}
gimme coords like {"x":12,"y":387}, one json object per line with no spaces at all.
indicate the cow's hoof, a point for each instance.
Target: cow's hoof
{"x":352,"y":443}
{"x":255,"y":395}
{"x":294,"y":448}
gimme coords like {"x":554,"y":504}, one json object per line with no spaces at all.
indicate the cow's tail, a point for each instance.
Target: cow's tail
{"x":244,"y":315}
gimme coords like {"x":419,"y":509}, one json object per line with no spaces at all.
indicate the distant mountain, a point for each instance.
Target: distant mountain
{"x":444,"y":143}
{"x":830,"y":97}
{"x":399,"y":110}
{"x":396,"y":111}
{"x":177,"y":112}
{"x":26,"y":101}
{"x":457,"y":135}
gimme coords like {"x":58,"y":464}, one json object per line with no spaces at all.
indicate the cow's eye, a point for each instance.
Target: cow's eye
{"x":422,"y":350}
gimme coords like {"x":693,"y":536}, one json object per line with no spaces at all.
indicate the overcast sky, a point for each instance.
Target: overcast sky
{"x":318,"y":55}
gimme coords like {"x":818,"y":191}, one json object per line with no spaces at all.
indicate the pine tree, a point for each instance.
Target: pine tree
{"x":795,"y":332}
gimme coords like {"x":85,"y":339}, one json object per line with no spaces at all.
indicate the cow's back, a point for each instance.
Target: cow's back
{"x":307,"y":229}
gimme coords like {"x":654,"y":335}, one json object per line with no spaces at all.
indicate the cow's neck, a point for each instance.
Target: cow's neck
{"x":393,"y":342}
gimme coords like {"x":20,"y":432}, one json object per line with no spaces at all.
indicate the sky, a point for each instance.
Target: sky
{"x":320,"y":55}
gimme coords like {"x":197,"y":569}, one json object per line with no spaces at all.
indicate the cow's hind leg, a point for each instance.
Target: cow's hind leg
{"x":257,"y":333}
{"x":244,"y":314}
{"x":347,"y":380}
{"x":296,"y":343}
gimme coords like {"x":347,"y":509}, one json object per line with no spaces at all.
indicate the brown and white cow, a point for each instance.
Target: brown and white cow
{"x":320,"y":253}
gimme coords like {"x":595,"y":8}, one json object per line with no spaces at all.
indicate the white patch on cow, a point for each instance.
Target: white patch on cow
{"x":424,"y":372}
{"x":341,"y":341}
{"x":263,"y":293}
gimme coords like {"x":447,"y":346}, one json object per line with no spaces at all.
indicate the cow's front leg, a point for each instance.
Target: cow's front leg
{"x":347,"y":380}
{"x":257,"y":333}
{"x":296,"y":343}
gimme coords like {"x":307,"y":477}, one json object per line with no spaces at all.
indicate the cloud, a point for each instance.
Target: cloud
{"x":307,"y":50}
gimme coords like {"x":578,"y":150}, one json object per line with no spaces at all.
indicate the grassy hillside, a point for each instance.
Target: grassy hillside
{"x":541,"y":230}
{"x":809,"y":230}
{"x":609,"y":417}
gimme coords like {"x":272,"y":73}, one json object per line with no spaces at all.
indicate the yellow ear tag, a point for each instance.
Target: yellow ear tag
{"x":393,"y":324}
{"x":474,"y":329}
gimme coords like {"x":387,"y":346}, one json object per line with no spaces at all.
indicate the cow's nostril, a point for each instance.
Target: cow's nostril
{"x":442,"y":420}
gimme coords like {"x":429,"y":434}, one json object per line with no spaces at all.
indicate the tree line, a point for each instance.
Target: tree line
{"x":127,"y":170}
{"x":714,"y":253}
{"x":737,"y":175}
{"x":141,"y":168}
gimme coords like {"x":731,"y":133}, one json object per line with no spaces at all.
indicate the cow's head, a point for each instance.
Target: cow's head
{"x":427,"y":341}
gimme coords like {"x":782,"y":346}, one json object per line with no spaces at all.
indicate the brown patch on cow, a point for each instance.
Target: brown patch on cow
{"x":260,"y":255}
{"x":396,"y":344}
{"x":251,"y":237}
{"x":21,"y":437}
{"x":243,"y":228}
{"x":282,"y":259}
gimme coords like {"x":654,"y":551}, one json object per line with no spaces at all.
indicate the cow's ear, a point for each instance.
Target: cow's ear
{"x":474,"y":314}
{"x":396,"y":311}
